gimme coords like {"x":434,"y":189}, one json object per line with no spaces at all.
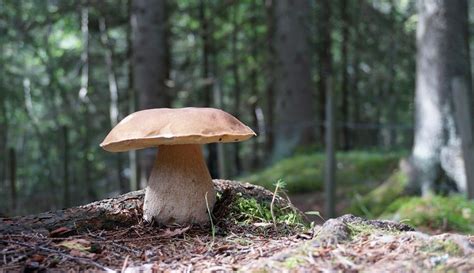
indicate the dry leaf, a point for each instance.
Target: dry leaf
{"x":60,"y":232}
{"x":82,"y":254}
{"x":168,"y":233}
{"x":76,"y":244}
{"x":37,"y":258}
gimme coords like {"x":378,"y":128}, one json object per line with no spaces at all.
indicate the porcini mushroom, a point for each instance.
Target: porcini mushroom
{"x":180,"y":182}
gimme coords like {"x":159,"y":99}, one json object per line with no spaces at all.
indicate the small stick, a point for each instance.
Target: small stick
{"x":124,"y":266}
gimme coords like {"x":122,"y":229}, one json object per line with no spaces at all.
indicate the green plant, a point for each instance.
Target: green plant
{"x":248,"y":211}
{"x":280,"y":184}
{"x":213,"y":227}
{"x":447,"y":213}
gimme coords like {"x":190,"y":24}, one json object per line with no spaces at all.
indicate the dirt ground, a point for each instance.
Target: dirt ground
{"x":108,"y":236}
{"x":346,"y":246}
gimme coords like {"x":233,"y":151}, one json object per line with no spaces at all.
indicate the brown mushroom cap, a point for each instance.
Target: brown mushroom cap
{"x":165,"y":126}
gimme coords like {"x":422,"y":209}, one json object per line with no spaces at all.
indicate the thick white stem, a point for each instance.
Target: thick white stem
{"x":178,"y":185}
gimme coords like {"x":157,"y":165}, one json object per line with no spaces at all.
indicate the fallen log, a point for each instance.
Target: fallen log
{"x":123,"y":210}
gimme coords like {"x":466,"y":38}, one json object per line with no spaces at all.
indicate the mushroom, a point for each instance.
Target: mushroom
{"x":180,"y":188}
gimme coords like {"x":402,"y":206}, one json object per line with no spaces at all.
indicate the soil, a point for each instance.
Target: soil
{"x":110,"y":236}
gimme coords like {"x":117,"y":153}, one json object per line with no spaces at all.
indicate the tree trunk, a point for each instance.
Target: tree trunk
{"x":258,"y":123}
{"x":356,"y":105}
{"x":66,"y":182}
{"x":326,"y":86}
{"x":294,"y":115}
{"x":3,"y":138}
{"x":443,"y":56}
{"x":132,"y":104}
{"x":114,"y":97}
{"x":83,"y":95}
{"x":390,"y":133}
{"x":345,"y":21}
{"x":463,"y":99}
{"x":207,"y":93}
{"x":270,"y":74}
{"x":12,"y":172}
{"x":324,"y":53}
{"x":330,"y":163}
{"x":148,"y":23}
{"x":236,"y":76}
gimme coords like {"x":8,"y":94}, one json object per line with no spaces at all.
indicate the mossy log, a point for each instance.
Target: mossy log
{"x":121,"y":211}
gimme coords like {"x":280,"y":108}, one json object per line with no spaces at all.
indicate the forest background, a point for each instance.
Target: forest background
{"x":72,"y":69}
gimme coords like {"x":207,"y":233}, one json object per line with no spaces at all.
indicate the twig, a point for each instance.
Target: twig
{"x":145,"y":238}
{"x":213,"y":228}
{"x":124,"y":266}
{"x":77,"y":259}
{"x":277,"y":185}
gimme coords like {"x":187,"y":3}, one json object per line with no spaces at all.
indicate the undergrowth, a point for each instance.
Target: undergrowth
{"x":247,"y":211}
{"x":445,"y":213}
{"x":304,"y":172}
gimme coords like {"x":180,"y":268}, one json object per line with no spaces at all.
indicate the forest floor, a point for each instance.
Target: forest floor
{"x":108,"y":235}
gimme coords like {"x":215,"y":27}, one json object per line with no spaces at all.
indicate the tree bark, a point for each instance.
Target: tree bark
{"x":443,"y":56}
{"x":148,"y":25}
{"x":463,"y":103}
{"x":294,"y":115}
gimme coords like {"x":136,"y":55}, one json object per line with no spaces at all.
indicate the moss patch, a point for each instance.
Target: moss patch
{"x":304,"y":172}
{"x":375,"y":202}
{"x":451,"y":213}
{"x":441,"y":247}
{"x":247,"y":211}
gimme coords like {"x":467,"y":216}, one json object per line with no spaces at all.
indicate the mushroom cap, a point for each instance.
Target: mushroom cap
{"x":166,"y":126}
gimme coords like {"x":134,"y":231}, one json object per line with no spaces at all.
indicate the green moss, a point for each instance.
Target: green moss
{"x":293,"y":262}
{"x":361,"y":230}
{"x":441,"y":247}
{"x":249,"y":210}
{"x":376,"y":201}
{"x":452,"y":213}
{"x":304,"y":172}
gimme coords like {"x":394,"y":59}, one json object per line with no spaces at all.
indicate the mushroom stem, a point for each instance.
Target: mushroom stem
{"x":177,"y":187}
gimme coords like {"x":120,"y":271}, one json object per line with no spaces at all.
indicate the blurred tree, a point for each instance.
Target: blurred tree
{"x":345,"y":22}
{"x":326,"y":87}
{"x":270,"y":74}
{"x":442,"y":57}
{"x":58,"y":70}
{"x":207,"y":78}
{"x":149,"y":63}
{"x":294,"y":123}
{"x":237,"y":85}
